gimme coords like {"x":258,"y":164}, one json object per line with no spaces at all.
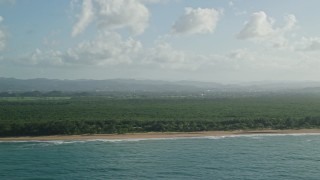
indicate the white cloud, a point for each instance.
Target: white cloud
{"x":108,"y":48}
{"x":2,"y":40}
{"x":260,"y":28}
{"x":243,"y":54}
{"x":50,"y":42}
{"x":123,"y":13}
{"x":260,"y":25}
{"x":39,"y":57}
{"x":109,"y":51}
{"x":164,"y":53}
{"x":263,"y":60}
{"x":197,"y":21}
{"x":84,"y":18}
{"x":290,"y":23}
{"x":154,"y":1}
{"x":111,"y":14}
{"x":3,"y":35}
{"x":164,"y":56}
{"x":308,"y":44}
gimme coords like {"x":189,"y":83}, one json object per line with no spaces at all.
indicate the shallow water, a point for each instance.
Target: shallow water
{"x":231,"y":157}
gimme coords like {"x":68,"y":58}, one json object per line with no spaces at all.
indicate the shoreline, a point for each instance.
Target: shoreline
{"x":157,"y":135}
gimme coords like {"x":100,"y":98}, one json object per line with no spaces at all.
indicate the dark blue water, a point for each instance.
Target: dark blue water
{"x":242,"y":157}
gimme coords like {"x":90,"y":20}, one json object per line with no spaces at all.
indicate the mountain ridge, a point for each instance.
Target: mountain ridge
{"x":44,"y":84}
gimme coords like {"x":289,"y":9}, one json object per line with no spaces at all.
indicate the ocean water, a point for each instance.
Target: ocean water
{"x":235,"y":157}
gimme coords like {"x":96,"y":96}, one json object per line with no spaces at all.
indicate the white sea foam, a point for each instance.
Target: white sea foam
{"x":252,"y":136}
{"x":255,"y":136}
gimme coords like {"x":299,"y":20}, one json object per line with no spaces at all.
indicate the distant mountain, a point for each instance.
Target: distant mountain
{"x":11,"y":84}
{"x":131,"y":85}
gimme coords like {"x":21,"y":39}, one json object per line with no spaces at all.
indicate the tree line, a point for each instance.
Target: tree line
{"x":133,"y":126}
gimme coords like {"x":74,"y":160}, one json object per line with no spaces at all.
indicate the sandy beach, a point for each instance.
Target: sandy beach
{"x":157,"y":135}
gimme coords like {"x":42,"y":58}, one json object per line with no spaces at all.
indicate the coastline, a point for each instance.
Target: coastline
{"x":157,"y":135}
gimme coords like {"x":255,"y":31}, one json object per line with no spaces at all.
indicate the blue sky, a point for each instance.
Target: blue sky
{"x":204,"y":40}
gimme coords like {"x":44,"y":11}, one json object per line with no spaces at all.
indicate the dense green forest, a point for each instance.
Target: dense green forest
{"x":44,"y":115}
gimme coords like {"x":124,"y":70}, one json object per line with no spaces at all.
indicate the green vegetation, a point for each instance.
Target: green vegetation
{"x":18,"y":99}
{"x":99,"y":114}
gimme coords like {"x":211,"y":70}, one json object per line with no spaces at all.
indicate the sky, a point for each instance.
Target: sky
{"x":200,"y":40}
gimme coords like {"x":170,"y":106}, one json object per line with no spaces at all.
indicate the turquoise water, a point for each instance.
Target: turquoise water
{"x":239,"y":157}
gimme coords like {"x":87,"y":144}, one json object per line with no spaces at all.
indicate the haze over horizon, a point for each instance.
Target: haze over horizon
{"x":172,"y":40}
